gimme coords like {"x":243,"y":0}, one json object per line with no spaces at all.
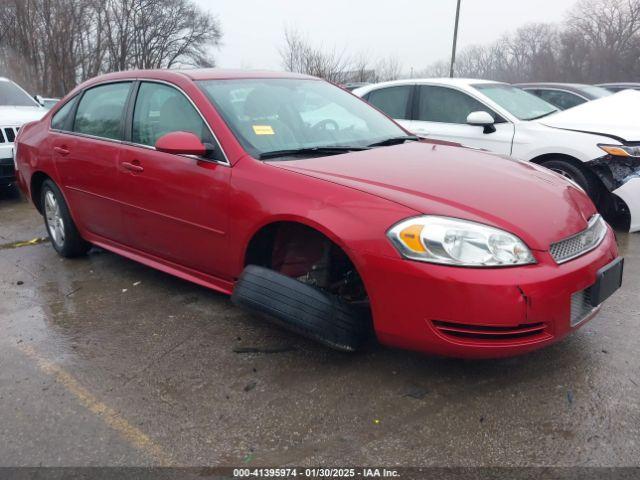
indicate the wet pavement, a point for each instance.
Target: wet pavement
{"x":106,"y":362}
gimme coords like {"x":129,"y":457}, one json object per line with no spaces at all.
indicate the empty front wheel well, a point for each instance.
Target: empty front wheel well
{"x":558,"y":156}
{"x":596,"y":187}
{"x":593,"y":180}
{"x":306,"y":254}
{"x":542,"y":159}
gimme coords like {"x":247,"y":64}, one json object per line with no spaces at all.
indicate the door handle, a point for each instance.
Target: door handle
{"x":132,"y":167}
{"x":61,"y":150}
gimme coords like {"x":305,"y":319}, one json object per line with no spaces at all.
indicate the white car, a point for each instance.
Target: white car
{"x":46,"y":102}
{"x":17,"y":107}
{"x":596,"y":144}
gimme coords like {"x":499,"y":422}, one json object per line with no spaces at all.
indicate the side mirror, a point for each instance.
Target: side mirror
{"x":482,"y":119}
{"x":39,"y":99}
{"x":181,"y":143}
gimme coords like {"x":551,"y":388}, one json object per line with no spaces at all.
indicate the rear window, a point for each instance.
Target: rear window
{"x":62,"y":118}
{"x":391,"y":100}
{"x":101,"y":111}
{"x":595,"y":92}
{"x":562,"y":100}
{"x":446,"y":105}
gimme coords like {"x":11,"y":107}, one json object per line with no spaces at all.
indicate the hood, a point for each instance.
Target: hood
{"x":17,"y":116}
{"x":615,"y":116}
{"x":530,"y":201}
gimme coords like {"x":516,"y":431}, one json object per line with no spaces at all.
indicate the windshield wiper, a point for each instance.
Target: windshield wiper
{"x":542,"y":116}
{"x":395,"y":141}
{"x":326,"y":150}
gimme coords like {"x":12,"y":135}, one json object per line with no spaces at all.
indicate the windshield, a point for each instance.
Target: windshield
{"x":12,"y":95}
{"x":272,"y":115}
{"x":517,"y":102}
{"x":595,"y":92}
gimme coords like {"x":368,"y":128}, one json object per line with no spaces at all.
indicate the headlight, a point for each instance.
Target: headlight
{"x":621,"y":150}
{"x":452,"y":241}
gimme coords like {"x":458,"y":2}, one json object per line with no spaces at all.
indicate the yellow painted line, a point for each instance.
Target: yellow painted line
{"x":113,"y":419}
{"x":26,"y":243}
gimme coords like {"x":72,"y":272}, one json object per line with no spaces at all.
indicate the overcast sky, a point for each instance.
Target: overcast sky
{"x":418,"y":32}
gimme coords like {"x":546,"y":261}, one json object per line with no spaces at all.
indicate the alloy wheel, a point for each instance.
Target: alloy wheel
{"x":55,"y":223}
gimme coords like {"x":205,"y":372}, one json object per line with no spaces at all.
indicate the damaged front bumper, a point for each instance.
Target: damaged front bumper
{"x":621,"y":176}
{"x":629,"y":193}
{"x":483,"y":312}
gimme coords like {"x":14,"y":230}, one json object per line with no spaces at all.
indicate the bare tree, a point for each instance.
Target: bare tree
{"x":611,"y":28}
{"x":388,"y":68}
{"x":50,"y":45}
{"x":360,"y":70}
{"x":300,"y":56}
{"x":37,"y":47}
{"x":599,"y":41}
{"x":159,"y":34}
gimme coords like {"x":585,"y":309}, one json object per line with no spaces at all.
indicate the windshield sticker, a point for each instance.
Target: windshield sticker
{"x":263,"y":130}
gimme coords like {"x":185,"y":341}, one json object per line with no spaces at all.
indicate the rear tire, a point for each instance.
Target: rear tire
{"x":580,"y":175}
{"x":64,"y":235}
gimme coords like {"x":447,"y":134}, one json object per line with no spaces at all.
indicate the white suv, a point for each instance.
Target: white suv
{"x":16,"y":108}
{"x":596,"y":144}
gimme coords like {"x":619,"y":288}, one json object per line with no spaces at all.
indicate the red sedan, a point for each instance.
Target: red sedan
{"x":311,"y":207}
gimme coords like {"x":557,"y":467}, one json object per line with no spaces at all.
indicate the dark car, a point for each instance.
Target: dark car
{"x":564,"y":95}
{"x":618,"y":87}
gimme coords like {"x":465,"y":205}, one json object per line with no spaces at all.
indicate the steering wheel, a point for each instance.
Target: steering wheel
{"x":323,"y":124}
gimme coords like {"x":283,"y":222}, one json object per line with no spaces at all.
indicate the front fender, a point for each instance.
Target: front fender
{"x":535,"y":140}
{"x":262,"y":194}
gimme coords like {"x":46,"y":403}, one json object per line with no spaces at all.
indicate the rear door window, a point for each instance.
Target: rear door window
{"x":62,"y":118}
{"x":101,"y":111}
{"x":394,"y":101}
{"x":446,"y":105}
{"x":560,"y":99}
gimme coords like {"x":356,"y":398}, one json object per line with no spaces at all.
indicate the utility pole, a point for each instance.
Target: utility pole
{"x":455,"y":40}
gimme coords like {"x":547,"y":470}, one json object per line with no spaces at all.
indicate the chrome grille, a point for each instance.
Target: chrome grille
{"x":8,"y":134}
{"x":581,"y":243}
{"x":581,"y":306}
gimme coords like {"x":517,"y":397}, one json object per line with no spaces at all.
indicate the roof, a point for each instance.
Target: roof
{"x":619,"y":84}
{"x":178,"y":76}
{"x":455,"y":81}
{"x":588,"y":92}
{"x":461,"y":83}
{"x":201,"y":74}
{"x":226,"y":74}
{"x":552,"y":85}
